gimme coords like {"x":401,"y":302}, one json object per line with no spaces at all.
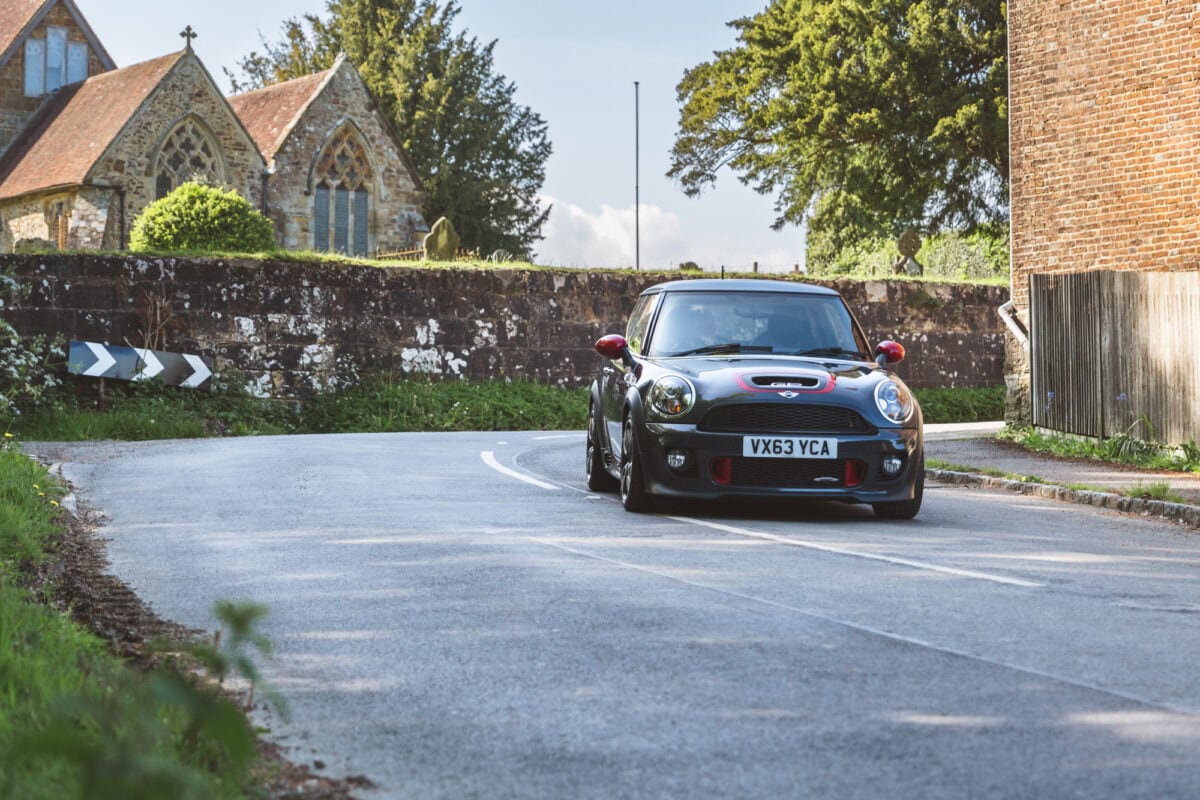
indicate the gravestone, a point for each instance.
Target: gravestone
{"x":441,"y":243}
{"x":909,"y":244}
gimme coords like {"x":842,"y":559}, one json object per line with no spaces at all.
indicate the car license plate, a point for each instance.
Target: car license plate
{"x":788,"y":447}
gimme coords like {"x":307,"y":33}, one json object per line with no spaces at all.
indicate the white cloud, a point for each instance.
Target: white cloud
{"x":579,"y":237}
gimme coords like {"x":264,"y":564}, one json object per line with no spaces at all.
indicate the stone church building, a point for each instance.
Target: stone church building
{"x":85,"y":147}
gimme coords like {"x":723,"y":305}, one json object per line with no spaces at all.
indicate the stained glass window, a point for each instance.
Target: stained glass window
{"x":188,"y":154}
{"x":321,"y":218}
{"x":343,"y":168}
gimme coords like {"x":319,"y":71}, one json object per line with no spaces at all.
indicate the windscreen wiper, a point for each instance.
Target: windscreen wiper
{"x":836,"y":352}
{"x":727,"y":347}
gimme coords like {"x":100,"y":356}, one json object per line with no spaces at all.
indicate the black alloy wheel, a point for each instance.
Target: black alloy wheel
{"x":633,"y":484}
{"x":598,"y":479}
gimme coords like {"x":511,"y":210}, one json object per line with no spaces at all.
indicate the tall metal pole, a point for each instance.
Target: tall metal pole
{"x":637,"y":189}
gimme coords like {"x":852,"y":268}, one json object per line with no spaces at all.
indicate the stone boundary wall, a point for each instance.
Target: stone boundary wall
{"x":292,"y":328}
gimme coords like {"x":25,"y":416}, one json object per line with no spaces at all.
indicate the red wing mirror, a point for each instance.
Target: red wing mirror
{"x":889,"y":353}
{"x":612,"y":346}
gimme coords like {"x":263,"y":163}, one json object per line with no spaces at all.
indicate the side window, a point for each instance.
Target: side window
{"x":77,"y":62}
{"x":639,"y":322}
{"x":53,"y":62}
{"x":35,"y":67}
{"x":56,"y":58}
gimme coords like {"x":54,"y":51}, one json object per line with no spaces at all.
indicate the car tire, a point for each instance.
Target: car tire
{"x":633,"y":482}
{"x":598,"y":479}
{"x":905,"y":509}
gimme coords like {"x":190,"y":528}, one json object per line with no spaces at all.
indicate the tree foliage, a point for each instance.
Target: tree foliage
{"x":862,"y":117}
{"x":480,"y":154}
{"x":198,"y":217}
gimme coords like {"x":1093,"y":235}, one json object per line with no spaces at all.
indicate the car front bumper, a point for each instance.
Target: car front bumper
{"x":816,"y":479}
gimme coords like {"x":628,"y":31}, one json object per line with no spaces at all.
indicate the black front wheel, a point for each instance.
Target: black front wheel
{"x":905,"y":509}
{"x":598,"y":479}
{"x":633,"y":484}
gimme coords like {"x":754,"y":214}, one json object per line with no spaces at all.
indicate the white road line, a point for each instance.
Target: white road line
{"x":904,"y":562}
{"x":873,"y":631}
{"x":575,"y":435}
{"x":489,"y":458}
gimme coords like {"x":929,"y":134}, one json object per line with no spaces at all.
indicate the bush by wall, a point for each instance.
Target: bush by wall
{"x":202,"y":218}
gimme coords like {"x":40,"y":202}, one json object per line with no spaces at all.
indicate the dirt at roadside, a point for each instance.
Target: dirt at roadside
{"x":76,"y":580}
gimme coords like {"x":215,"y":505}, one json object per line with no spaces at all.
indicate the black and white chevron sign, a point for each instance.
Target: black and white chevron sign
{"x":135,"y":364}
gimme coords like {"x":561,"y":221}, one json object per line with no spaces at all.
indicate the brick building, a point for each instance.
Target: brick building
{"x":1105,"y":138}
{"x":85,"y":147}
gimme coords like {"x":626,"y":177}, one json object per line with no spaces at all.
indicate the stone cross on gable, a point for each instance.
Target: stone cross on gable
{"x":189,"y":34}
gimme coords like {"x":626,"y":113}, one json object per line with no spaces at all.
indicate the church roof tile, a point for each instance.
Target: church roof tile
{"x":74,"y":127}
{"x":16,"y":15}
{"x":270,"y":113}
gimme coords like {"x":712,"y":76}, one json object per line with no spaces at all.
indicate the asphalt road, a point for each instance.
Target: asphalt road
{"x":455,"y":616}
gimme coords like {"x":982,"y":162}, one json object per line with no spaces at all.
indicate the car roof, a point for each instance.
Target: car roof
{"x":738,"y":285}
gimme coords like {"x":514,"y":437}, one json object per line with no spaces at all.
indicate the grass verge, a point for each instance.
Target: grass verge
{"x":381,"y":403}
{"x":76,"y":721}
{"x":1120,"y":449}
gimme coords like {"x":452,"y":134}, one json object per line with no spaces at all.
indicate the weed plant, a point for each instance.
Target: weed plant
{"x":1122,"y":448}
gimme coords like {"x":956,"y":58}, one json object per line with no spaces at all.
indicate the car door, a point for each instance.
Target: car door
{"x":618,"y":376}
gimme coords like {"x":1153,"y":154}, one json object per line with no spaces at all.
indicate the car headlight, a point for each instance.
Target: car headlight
{"x":894,"y":400}
{"x":672,"y":396}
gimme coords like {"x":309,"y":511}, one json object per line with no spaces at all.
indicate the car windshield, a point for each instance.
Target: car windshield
{"x":784,"y":323}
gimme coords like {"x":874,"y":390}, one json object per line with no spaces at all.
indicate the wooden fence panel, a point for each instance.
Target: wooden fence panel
{"x":1152,"y":355}
{"x":1117,"y":351}
{"x":1065,"y":345}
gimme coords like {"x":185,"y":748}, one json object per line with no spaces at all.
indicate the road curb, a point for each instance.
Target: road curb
{"x":1182,"y":513}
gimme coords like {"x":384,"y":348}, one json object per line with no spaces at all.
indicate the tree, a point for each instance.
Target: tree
{"x":863,"y":117}
{"x":480,"y":154}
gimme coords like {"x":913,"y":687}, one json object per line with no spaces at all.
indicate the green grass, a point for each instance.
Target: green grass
{"x":1159,"y":490}
{"x":962,"y":405}
{"x":75,"y":722}
{"x":937,"y":463}
{"x":384,"y":403}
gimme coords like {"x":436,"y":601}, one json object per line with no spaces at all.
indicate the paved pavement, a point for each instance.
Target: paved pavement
{"x":974,"y":447}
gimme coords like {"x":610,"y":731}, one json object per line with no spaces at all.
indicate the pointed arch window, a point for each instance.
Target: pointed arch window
{"x":189,"y":153}
{"x":342,"y":196}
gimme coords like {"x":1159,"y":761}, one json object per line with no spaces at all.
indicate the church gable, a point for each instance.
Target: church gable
{"x":340,"y":180}
{"x":184,"y":130}
{"x":44,"y":45}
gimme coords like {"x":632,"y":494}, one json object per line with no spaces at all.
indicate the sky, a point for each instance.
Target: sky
{"x":575,"y":64}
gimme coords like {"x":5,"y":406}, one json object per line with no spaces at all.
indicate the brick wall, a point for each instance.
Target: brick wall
{"x":292,"y":328}
{"x":15,"y":107}
{"x":1105,"y":129}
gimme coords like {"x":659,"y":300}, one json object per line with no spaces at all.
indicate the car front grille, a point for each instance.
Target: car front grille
{"x":783,"y":418}
{"x":787,"y":472}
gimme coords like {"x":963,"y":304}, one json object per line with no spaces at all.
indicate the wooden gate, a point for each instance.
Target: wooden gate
{"x":1116,"y":352}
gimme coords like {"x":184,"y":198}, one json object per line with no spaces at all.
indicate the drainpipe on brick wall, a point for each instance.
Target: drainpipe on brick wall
{"x":266,"y":177}
{"x":1008,"y":313}
{"x":122,"y":244}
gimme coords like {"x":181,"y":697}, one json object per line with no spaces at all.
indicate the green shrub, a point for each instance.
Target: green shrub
{"x":950,"y":255}
{"x":961,"y":405}
{"x":201,"y":218}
